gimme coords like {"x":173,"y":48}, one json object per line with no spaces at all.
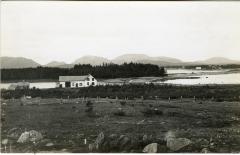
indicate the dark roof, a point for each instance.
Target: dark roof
{"x":73,"y":78}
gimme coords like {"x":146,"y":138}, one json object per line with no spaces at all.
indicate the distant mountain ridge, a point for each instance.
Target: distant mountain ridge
{"x":20,"y":62}
{"x":93,"y":60}
{"x":55,"y":64}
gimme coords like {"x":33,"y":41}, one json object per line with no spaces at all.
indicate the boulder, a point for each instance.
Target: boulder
{"x":175,"y":144}
{"x":31,"y":136}
{"x":151,"y":148}
{"x":25,"y":137}
{"x":99,"y":141}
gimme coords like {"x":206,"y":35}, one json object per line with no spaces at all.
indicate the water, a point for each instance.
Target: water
{"x":233,"y":78}
{"x":204,"y":77}
{"x":40,"y":85}
{"x":191,"y":71}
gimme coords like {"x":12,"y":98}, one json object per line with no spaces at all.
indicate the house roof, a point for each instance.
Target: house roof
{"x":73,"y":78}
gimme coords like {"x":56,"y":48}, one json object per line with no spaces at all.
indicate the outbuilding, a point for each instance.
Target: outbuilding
{"x":77,"y":81}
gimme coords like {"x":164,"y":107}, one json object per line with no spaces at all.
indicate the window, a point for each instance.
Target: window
{"x":80,"y":84}
{"x":92,"y":79}
{"x":73,"y":84}
{"x":93,"y":83}
{"x":88,"y":79}
{"x":88,"y":83}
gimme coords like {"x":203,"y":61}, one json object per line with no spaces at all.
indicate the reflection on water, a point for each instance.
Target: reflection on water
{"x":191,"y":71}
{"x":40,"y":85}
{"x":233,"y":78}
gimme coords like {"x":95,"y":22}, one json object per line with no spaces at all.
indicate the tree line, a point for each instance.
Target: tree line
{"x":102,"y":71}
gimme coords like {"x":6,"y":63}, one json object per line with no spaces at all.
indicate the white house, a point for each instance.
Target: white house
{"x":77,"y":81}
{"x":198,"y":68}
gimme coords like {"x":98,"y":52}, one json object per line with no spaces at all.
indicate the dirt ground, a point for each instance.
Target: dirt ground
{"x":65,"y":123}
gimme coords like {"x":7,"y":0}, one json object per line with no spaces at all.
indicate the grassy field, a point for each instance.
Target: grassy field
{"x":65,"y":123}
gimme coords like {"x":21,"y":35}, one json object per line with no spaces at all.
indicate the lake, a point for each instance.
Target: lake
{"x":203,"y":77}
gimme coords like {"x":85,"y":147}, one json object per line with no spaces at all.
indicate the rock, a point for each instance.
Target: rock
{"x":98,"y":144}
{"x":99,"y":141}
{"x":145,"y":138}
{"x":35,"y":136}
{"x":5,"y":141}
{"x":205,"y":150}
{"x":151,"y":148}
{"x":124,"y":142}
{"x":175,"y":144}
{"x":49,"y":144}
{"x":13,"y":133}
{"x":169,"y":135}
{"x":113,"y":136}
{"x":24,"y":137}
{"x":91,"y":147}
{"x":31,"y":136}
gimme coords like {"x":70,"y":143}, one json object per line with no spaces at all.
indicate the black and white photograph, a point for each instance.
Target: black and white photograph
{"x":120,"y":76}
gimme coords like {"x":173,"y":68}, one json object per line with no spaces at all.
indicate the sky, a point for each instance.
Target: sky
{"x":65,"y":31}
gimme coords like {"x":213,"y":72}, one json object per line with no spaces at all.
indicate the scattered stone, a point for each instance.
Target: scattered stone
{"x":205,"y":150}
{"x":49,"y":144}
{"x":151,"y":148}
{"x":31,"y":136}
{"x":176,"y":144}
{"x":113,"y":136}
{"x":147,"y":139}
{"x":169,"y":135}
{"x":124,"y":142}
{"x":91,"y":147}
{"x":5,"y":141}
{"x":99,"y":141}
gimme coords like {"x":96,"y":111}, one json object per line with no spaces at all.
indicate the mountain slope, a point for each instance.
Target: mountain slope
{"x":220,"y":60}
{"x":55,"y":64}
{"x":142,"y":58}
{"x":17,"y":62}
{"x":130,"y":58}
{"x":93,"y":60}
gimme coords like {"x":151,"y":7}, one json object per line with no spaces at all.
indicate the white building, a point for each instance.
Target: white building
{"x":77,"y":81}
{"x":198,"y":68}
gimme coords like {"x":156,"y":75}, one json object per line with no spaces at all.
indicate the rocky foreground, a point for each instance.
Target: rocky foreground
{"x":105,"y":125}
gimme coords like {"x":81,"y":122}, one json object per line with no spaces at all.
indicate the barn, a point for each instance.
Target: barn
{"x":77,"y":81}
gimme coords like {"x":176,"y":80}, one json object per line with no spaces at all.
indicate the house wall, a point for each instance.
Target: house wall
{"x":63,"y":84}
{"x":91,"y":80}
{"x":84,"y":83}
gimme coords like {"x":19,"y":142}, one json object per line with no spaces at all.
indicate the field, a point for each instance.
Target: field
{"x":66,"y":123}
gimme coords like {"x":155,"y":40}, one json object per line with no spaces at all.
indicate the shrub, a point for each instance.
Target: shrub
{"x":119,"y":112}
{"x":123,"y":103}
{"x":89,"y":104}
{"x":89,"y":109}
{"x":147,"y":112}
